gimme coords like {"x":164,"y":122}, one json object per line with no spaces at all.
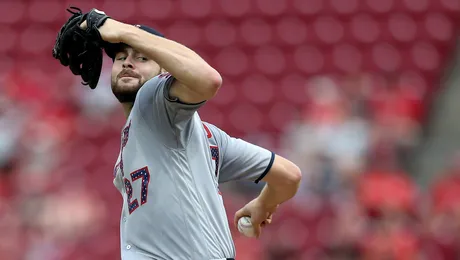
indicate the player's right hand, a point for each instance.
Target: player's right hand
{"x":258,"y":212}
{"x":111,"y":31}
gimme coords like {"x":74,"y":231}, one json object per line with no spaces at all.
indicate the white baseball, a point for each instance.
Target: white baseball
{"x":245,"y":227}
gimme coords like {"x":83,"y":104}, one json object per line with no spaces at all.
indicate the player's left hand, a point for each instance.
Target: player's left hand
{"x":260,"y":215}
{"x":110,"y":31}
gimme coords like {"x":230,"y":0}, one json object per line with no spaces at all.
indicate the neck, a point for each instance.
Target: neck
{"x":127,"y":107}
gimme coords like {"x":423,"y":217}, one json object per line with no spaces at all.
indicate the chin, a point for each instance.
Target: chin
{"x":125,"y":95}
{"x":126,"y":90}
{"x":130,"y":84}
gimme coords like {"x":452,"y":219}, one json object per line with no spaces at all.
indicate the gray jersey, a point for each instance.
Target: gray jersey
{"x":168,"y":172}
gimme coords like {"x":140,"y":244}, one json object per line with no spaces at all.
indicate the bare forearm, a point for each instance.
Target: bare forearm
{"x":273,"y":195}
{"x":183,"y":63}
{"x":283,"y":181}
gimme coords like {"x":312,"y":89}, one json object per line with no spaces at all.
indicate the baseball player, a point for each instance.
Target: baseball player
{"x":170,"y":162}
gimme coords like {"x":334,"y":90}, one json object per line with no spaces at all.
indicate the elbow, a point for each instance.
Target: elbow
{"x":284,"y":174}
{"x":213,"y":82}
{"x":293,"y":175}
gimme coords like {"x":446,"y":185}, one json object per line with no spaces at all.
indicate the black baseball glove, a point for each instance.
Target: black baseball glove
{"x":82,"y":50}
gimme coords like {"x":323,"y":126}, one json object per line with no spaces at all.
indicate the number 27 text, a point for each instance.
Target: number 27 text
{"x":144,"y":175}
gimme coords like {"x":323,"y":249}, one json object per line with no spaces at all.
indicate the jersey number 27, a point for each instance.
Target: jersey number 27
{"x":141,"y":174}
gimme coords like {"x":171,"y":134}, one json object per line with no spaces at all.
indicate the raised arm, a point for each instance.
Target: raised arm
{"x":196,"y":80}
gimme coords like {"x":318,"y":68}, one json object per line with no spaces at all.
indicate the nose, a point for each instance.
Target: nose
{"x":127,"y":63}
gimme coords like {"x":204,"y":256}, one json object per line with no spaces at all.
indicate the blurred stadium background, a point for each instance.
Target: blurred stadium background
{"x":362,"y":94}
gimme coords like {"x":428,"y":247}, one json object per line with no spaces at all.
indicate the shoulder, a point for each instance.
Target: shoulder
{"x":214,"y":133}
{"x":211,"y":130}
{"x":156,"y":83}
{"x":152,"y":90}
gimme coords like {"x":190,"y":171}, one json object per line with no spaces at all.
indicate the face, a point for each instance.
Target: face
{"x":131,"y":69}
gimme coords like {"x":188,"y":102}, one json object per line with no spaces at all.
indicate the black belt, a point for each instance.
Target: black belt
{"x":230,"y":258}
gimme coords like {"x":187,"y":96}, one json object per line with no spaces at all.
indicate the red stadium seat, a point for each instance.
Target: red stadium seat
{"x":256,"y":31}
{"x":364,"y":28}
{"x":122,"y":10}
{"x":271,"y":7}
{"x":196,"y":8}
{"x":402,"y":27}
{"x":85,"y":151}
{"x":7,"y":64}
{"x":284,"y":230}
{"x":425,"y":56}
{"x":11,"y":12}
{"x":347,"y":58}
{"x":206,"y":55}
{"x":439,"y":27}
{"x":450,"y":6}
{"x":309,"y":7}
{"x":246,"y":117}
{"x":84,"y":5}
{"x":379,"y":7}
{"x":328,"y":29}
{"x":258,"y":89}
{"x":291,"y":30}
{"x":46,"y":11}
{"x":415,"y":80}
{"x":231,"y":61}
{"x":386,"y":57}
{"x":236,"y":8}
{"x":309,"y":59}
{"x":379,"y":189}
{"x":108,"y":151}
{"x":157,"y":10}
{"x":185,"y":32}
{"x":213,"y":114}
{"x":269,"y":60}
{"x":37,"y":39}
{"x":9,"y":39}
{"x":220,"y":33}
{"x":293,"y":88}
{"x":281,"y":115}
{"x":227,"y":94}
{"x":416,"y":6}
{"x":345,"y":7}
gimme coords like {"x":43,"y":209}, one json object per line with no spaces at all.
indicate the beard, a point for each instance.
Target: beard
{"x":126,"y":94}
{"x":124,"y":89}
